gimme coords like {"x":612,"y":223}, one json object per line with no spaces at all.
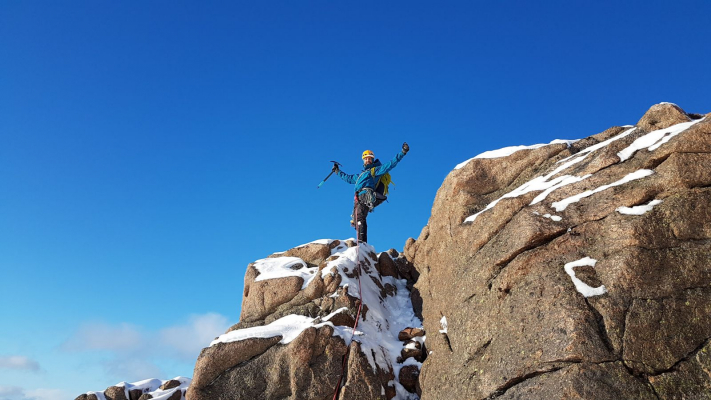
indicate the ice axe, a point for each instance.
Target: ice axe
{"x":329,"y":175}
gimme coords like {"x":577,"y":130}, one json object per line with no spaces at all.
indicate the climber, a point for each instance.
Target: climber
{"x":366,"y":198}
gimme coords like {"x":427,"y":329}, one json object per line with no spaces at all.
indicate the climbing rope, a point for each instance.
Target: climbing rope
{"x":360,"y":294}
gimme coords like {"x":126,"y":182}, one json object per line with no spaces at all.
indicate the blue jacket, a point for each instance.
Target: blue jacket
{"x":365,"y":178}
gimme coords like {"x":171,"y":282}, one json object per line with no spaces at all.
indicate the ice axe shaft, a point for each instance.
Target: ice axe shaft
{"x":329,"y":175}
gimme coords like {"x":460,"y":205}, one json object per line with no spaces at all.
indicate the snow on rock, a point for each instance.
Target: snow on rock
{"x":638,"y":210}
{"x":555,"y":218}
{"x":507,"y":151}
{"x":281,"y":267}
{"x":443,"y":324}
{"x":547,"y":183}
{"x":288,"y":327}
{"x":563,"y":204}
{"x":654,"y":139}
{"x":502,"y":276}
{"x":536,"y":184}
{"x":550,"y":182}
{"x":386,"y":317}
{"x":349,"y":275}
{"x":157,"y":389}
{"x":582,"y":287}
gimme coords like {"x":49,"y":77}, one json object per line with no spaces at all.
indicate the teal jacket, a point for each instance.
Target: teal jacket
{"x":365,"y":179}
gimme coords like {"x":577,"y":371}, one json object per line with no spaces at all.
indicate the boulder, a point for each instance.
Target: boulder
{"x":311,"y":253}
{"x":170,"y":384}
{"x":135,"y":394}
{"x":662,"y":115}
{"x":86,"y":396}
{"x":262,"y":298}
{"x":412,"y":349}
{"x":409,"y":375}
{"x":560,"y":293}
{"x":409,"y":333}
{"x":115,"y":393}
{"x":386,"y":265}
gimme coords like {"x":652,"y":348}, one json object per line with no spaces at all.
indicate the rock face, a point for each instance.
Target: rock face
{"x":298,"y":311}
{"x":573,"y":270}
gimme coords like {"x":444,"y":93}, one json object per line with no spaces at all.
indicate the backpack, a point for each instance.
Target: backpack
{"x":383,"y":184}
{"x":381,"y":188}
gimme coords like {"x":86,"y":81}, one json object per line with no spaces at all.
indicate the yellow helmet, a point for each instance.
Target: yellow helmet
{"x":367,"y":153}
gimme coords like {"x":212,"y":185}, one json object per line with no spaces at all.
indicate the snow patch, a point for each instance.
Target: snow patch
{"x":638,"y":210}
{"x":282,"y":267}
{"x":546,"y":183}
{"x":582,"y":287}
{"x":654,"y":139}
{"x":553,"y":217}
{"x":151,"y":387}
{"x":443,"y":323}
{"x":585,"y":152}
{"x":288,"y":327}
{"x":507,"y":151}
{"x":536,"y":184}
{"x":563,"y":204}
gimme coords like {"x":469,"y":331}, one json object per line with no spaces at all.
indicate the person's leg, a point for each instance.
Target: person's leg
{"x":361,"y":224}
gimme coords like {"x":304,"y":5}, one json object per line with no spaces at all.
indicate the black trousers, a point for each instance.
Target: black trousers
{"x":360,"y":213}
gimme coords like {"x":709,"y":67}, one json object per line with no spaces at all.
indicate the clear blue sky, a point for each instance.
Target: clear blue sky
{"x":150,"y":150}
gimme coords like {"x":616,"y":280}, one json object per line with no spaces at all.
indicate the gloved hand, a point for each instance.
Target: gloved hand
{"x":335,"y":168}
{"x":405,"y":148}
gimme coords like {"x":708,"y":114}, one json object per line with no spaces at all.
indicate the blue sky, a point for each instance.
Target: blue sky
{"x":150,"y":150}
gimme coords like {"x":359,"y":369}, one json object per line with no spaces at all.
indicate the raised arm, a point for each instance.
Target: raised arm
{"x":383,"y":169}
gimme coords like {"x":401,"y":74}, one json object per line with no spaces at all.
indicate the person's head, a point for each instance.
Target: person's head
{"x":368,"y":157}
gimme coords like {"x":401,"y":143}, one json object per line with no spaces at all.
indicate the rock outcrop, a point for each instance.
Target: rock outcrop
{"x":577,"y":269}
{"x":573,"y":270}
{"x":298,"y":311}
{"x":173,"y":389}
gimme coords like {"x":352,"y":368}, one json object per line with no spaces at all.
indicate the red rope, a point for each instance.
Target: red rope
{"x":360,"y":294}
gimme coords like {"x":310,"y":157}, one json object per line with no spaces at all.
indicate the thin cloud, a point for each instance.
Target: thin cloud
{"x":134,"y":351}
{"x":185,"y":341}
{"x":47,"y":394}
{"x":131,"y":369}
{"x":18,"y":393}
{"x":11,"y":392}
{"x":19,"y":363}
{"x":101,"y":336}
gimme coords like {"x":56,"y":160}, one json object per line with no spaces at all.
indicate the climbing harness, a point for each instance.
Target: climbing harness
{"x":360,"y":305}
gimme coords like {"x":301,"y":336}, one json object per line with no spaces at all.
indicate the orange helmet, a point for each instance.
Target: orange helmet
{"x":367,"y":153}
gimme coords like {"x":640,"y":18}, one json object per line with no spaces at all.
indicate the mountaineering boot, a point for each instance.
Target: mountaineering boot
{"x":362,"y":232}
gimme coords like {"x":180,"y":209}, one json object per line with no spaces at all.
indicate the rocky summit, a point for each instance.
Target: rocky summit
{"x":295,"y":338}
{"x":574,"y":269}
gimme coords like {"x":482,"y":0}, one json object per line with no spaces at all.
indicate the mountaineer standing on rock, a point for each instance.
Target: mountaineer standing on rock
{"x":370,"y":187}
